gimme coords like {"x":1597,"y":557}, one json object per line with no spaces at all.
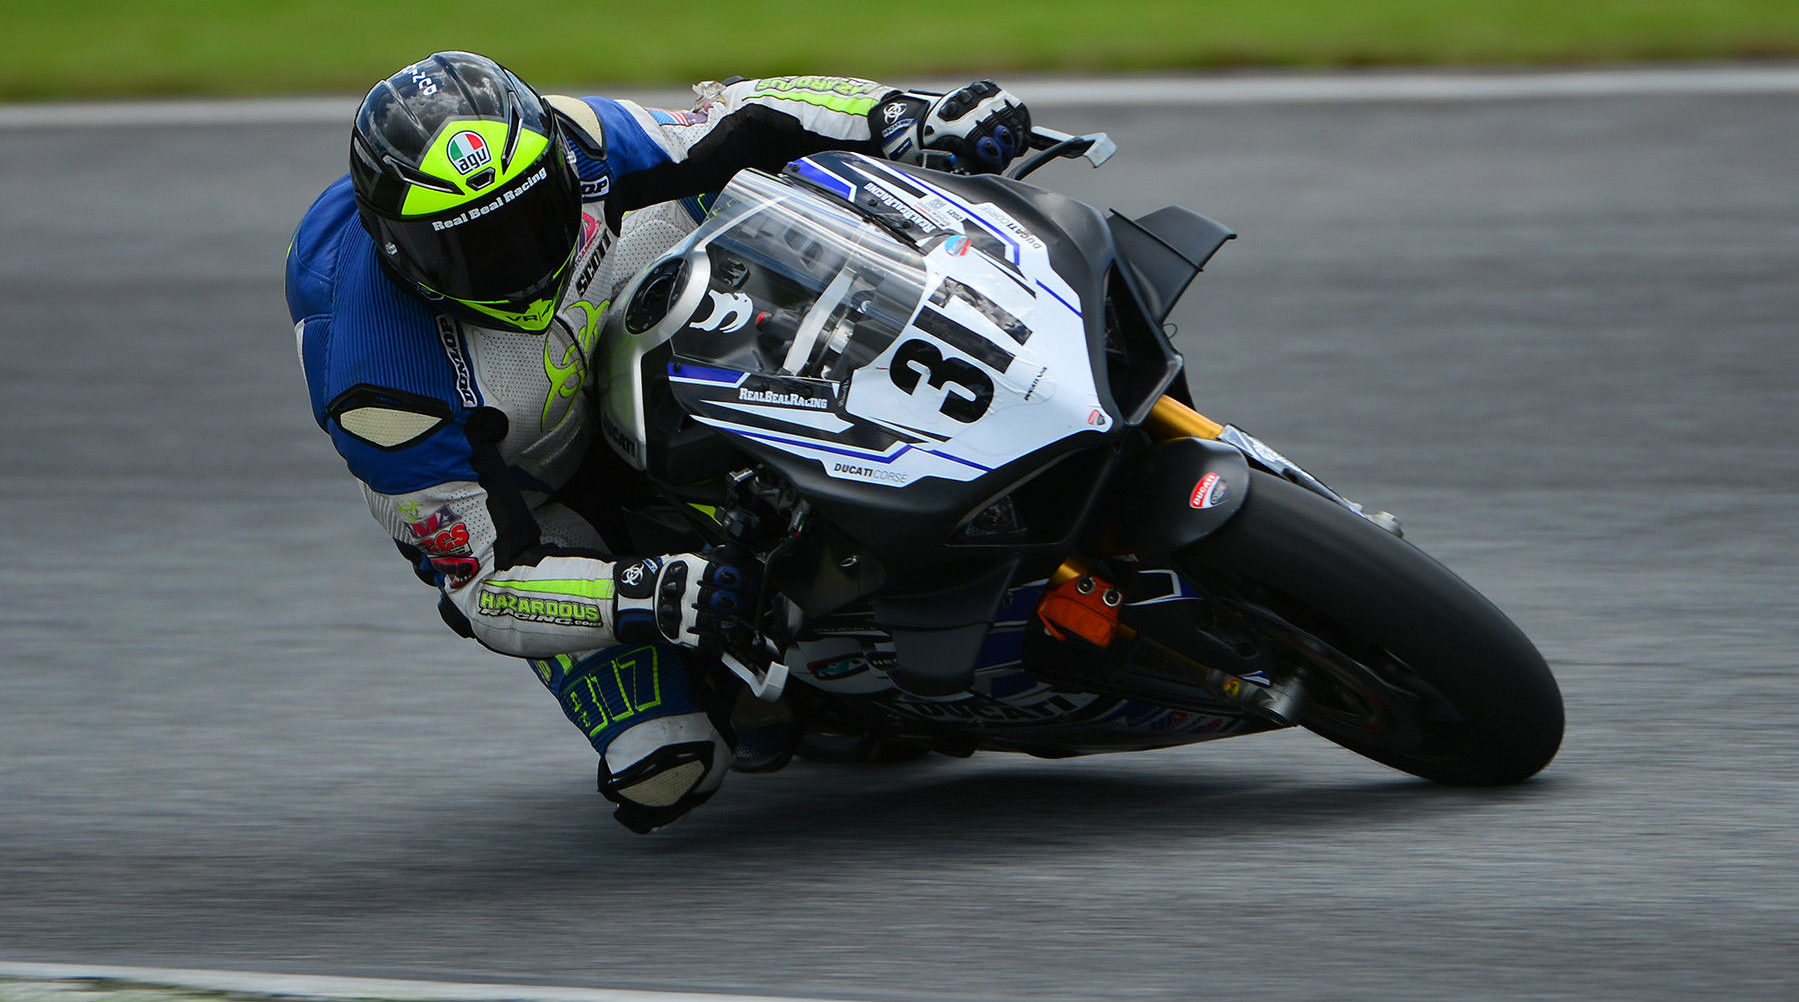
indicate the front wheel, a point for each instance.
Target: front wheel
{"x":1398,"y":659}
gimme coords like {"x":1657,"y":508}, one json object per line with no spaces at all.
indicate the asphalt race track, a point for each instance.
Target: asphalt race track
{"x":1555,"y":335}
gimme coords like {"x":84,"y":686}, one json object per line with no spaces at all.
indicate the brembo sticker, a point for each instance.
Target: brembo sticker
{"x":1209,"y":492}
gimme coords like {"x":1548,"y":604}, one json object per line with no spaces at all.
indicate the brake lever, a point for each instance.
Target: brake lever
{"x":1096,"y":147}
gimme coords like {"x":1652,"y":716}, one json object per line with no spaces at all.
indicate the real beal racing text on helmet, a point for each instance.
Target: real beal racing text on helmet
{"x":525,"y":185}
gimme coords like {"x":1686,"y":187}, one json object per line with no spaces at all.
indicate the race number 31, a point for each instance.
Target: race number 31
{"x":969,"y":390}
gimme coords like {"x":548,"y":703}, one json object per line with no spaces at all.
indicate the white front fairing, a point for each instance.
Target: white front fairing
{"x":802,"y":324}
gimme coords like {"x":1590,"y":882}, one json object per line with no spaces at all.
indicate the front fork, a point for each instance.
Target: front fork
{"x":1169,"y":419}
{"x":1255,"y":692}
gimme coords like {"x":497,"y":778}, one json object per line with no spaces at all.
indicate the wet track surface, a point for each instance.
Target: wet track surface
{"x":1556,"y":337}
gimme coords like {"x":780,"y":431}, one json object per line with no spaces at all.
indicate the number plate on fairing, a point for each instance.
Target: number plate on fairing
{"x":929,"y":339}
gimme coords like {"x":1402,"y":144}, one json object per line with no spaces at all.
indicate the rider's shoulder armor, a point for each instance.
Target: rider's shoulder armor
{"x":387,"y":378}
{"x":609,"y":139}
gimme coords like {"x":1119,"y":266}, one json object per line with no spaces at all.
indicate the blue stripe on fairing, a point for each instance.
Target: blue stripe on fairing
{"x":702,"y":374}
{"x":1059,"y":299}
{"x":959,"y":459}
{"x":813,"y":172}
{"x":873,"y":457}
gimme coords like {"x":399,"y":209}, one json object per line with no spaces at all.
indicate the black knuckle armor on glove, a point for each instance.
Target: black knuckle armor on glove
{"x":982,"y":126}
{"x":686,"y":599}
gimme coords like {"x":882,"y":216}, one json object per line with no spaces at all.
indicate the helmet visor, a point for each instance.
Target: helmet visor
{"x":511,"y":245}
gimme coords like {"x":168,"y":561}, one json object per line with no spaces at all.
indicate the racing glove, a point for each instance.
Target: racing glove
{"x":982,"y":127}
{"x":686,"y":599}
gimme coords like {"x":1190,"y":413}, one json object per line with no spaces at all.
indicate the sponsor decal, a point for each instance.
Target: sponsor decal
{"x":782,"y":399}
{"x":868,"y":473}
{"x":730,"y":312}
{"x":593,"y":233}
{"x":833,"y":669}
{"x":620,"y":441}
{"x":409,"y":509}
{"x":1017,"y":229}
{"x":1097,"y":419}
{"x":663,"y":116}
{"x":422,"y":81}
{"x":633,"y":576}
{"x":588,"y":270}
{"x":1031,"y":391}
{"x":818,"y":85}
{"x":449,"y":541}
{"x":1210,"y":492}
{"x":530,"y":181}
{"x":468,"y":152}
{"x":893,"y":111}
{"x":958,"y":245}
{"x":900,"y":207}
{"x":595,"y":190}
{"x":424,"y":528}
{"x":457,"y":571}
{"x":558,"y":612}
{"x":452,"y":345}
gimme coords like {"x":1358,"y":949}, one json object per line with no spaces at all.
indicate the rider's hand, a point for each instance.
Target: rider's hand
{"x":684,"y":598}
{"x":981,"y":125}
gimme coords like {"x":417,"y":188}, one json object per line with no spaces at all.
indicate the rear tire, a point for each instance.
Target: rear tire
{"x":1401,"y":660}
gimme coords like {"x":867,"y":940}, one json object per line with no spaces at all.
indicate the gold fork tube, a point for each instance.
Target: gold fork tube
{"x":1169,"y":419}
{"x":1172,"y":419}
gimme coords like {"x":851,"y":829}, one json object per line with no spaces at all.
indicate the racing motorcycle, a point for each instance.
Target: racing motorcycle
{"x":943,"y":415}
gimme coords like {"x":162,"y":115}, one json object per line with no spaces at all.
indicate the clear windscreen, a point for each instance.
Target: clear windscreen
{"x":827,"y":289}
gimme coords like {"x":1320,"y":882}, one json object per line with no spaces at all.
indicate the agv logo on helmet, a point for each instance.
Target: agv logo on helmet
{"x":468,"y":152}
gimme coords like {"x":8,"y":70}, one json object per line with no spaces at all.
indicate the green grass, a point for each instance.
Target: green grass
{"x":113,"y":48}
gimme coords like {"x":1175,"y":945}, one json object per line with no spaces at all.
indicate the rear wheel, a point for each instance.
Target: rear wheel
{"x":1399,"y":660}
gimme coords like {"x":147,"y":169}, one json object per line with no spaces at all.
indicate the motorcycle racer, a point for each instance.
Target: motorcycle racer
{"x":447,"y":294}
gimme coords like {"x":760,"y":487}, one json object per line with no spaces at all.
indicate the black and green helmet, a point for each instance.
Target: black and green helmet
{"x":462,"y":178}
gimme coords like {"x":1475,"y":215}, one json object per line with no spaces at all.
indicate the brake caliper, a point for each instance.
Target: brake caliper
{"x":1086,"y":607}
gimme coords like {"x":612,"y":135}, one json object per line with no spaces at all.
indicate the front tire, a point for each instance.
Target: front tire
{"x":1400,"y":660}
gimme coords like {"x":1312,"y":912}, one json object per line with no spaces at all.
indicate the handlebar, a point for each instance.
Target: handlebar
{"x":1096,"y":147}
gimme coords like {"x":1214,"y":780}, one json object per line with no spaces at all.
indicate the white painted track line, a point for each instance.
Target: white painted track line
{"x":1038,"y":92}
{"x":306,"y":986}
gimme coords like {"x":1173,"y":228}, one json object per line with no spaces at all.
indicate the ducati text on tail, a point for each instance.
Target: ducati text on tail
{"x":942,"y":413}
